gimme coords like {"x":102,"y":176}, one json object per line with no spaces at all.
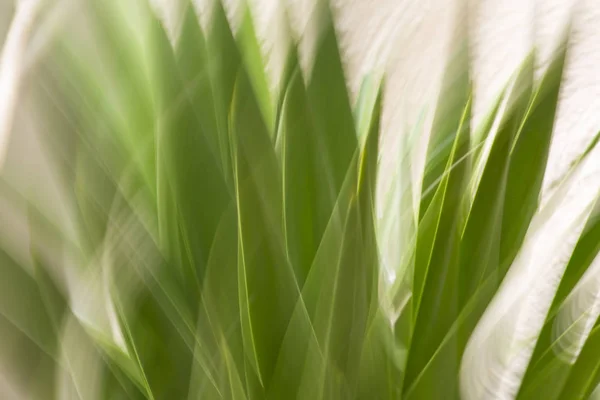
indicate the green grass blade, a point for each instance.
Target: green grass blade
{"x":455,"y":93}
{"x":195,"y":71}
{"x":267,"y":286}
{"x":305,"y":215}
{"x":329,"y":101}
{"x":563,"y":335}
{"x":250,"y":52}
{"x":437,"y":271}
{"x":480,"y":240}
{"x":528,"y":158}
{"x":224,"y":62}
{"x":192,"y":191}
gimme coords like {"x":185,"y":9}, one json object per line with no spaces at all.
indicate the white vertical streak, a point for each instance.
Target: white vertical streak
{"x":11,"y":67}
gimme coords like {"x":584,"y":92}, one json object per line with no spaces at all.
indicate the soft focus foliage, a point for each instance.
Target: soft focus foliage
{"x":214,"y":238}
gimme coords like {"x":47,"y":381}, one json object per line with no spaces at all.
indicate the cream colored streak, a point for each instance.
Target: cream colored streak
{"x":13,"y":55}
{"x":501,"y":345}
{"x":577,"y":315}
